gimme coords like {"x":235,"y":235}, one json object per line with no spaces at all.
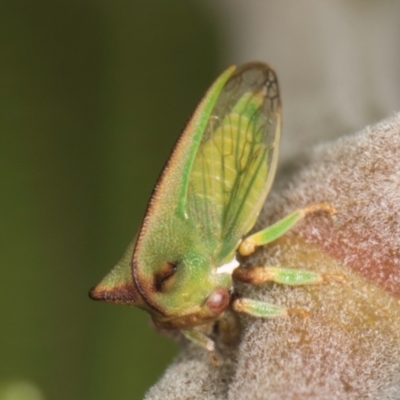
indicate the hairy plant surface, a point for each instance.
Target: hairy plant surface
{"x":349,"y":346}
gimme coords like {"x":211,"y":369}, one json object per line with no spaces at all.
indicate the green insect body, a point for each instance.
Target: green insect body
{"x":182,"y":265}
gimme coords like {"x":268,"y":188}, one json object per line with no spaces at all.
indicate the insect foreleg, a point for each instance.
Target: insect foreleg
{"x":203,"y":341}
{"x":199,"y":338}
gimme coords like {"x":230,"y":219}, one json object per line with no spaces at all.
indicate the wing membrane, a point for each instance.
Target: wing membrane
{"x":236,"y":160}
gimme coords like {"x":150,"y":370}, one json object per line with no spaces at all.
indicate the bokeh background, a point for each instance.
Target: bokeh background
{"x":93,"y":94}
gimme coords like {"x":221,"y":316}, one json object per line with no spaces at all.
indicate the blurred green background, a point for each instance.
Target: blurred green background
{"x":93,"y":95}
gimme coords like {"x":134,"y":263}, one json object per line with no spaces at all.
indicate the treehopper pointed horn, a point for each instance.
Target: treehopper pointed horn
{"x":118,"y":286}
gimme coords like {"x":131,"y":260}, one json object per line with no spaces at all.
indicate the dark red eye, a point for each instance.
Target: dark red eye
{"x":218,"y":301}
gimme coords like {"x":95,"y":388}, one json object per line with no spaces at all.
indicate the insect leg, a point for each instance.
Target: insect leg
{"x":269,"y":234}
{"x":285,"y":276}
{"x":199,"y":338}
{"x":203,"y":341}
{"x":262,"y":309}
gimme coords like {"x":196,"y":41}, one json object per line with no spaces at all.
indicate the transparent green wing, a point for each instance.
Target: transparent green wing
{"x":236,"y":160}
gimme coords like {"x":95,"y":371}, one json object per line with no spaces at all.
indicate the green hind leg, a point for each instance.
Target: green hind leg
{"x":275,"y":231}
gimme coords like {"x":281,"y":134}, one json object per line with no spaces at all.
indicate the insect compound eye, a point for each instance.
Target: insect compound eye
{"x":162,"y":278}
{"x":218,"y":300}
